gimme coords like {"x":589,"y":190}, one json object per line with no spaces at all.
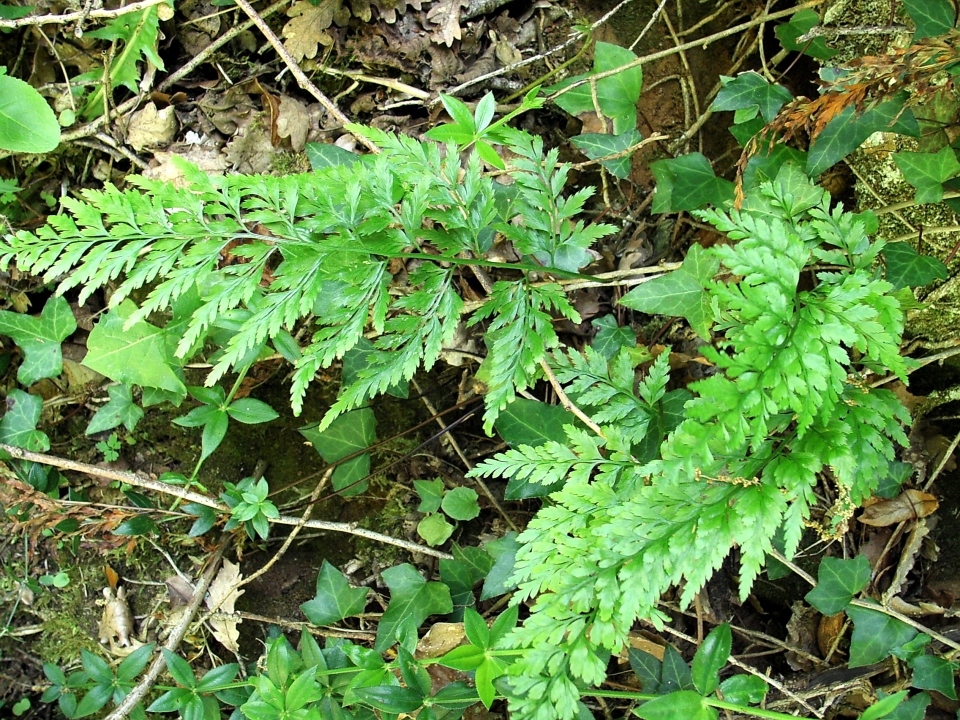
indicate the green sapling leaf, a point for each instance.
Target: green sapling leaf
{"x":434,"y":529}
{"x":499,"y":580}
{"x":251,"y":412}
{"x":461,"y":503}
{"x":744,"y":689}
{"x":710,"y":658}
{"x":214,"y":430}
{"x":838,"y":582}
{"x":390,"y":699}
{"x":884,"y":707}
{"x":39,"y":337}
{"x":27,"y":122}
{"x":685,"y":704}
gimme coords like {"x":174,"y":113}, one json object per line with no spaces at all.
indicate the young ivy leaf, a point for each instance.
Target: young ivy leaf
{"x":349,"y":433}
{"x":410,"y":596}
{"x":120,"y":410}
{"x":609,"y":339}
{"x":908,"y":268}
{"x":435,"y":530}
{"x":598,"y":145}
{"x":335,"y":598}
{"x":499,"y":579}
{"x":838,"y":581}
{"x":39,"y":338}
{"x":928,"y":171}
{"x":430,"y":492}
{"x":680,"y":293}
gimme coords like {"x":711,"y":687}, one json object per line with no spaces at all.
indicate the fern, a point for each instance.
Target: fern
{"x":320,"y":246}
{"x":785,"y":404}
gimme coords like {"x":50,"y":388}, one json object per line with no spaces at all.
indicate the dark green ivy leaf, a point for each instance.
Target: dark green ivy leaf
{"x":18,"y":427}
{"x":800,"y":24}
{"x":598,"y":145}
{"x":504,"y":552}
{"x":875,"y":635}
{"x":927,"y":172}
{"x":932,"y":17}
{"x":335,"y":598}
{"x":410,"y":597}
{"x":907,"y":268}
{"x":838,"y":581}
{"x":688,"y":182}
{"x":750,"y":89}
{"x":39,"y":338}
{"x":934,"y":673}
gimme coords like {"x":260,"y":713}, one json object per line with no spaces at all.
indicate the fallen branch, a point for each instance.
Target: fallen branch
{"x":190,"y":496}
{"x":79,"y":15}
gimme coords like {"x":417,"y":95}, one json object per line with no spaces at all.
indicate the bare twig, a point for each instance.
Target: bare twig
{"x":822,"y":31}
{"x":173,"y":641}
{"x":190,"y":496}
{"x":943,"y":461}
{"x":79,"y":15}
{"x":567,"y":403}
{"x":298,"y":72}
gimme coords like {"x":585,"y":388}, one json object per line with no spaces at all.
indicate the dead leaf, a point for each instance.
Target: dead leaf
{"x":908,"y":505}
{"x":828,"y":631}
{"x":639,"y":642}
{"x":117,"y":620}
{"x":446,"y":15}
{"x":308,"y":24}
{"x":440,"y":639}
{"x":207,"y":157}
{"x":150,"y":127}
{"x":293,"y":122}
{"x":221,"y":598}
{"x":112,"y":576}
{"x":179,"y":591}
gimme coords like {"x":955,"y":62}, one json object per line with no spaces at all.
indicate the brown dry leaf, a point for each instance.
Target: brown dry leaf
{"x":908,"y":505}
{"x":440,"y":639}
{"x":150,"y":127}
{"x":293,"y":122}
{"x":221,"y":598}
{"x":207,"y":157}
{"x":388,"y":8}
{"x":308,"y":24}
{"x":639,"y":642}
{"x":112,"y":576}
{"x":828,"y":631}
{"x":179,"y":591}
{"x":117,"y":620}
{"x":446,"y":15}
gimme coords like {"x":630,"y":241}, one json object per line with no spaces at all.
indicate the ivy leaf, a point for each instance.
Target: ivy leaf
{"x":844,"y":133}
{"x":499,"y":579}
{"x":710,"y":658}
{"x":469,"y":566}
{"x":750,"y":89}
{"x":121,"y":409}
{"x":430,"y":492}
{"x":838,"y":581}
{"x":335,"y":598}
{"x":908,"y":268}
{"x":461,"y":503}
{"x":349,"y":433}
{"x":934,"y":673}
{"x":39,"y":338}
{"x":688,"y":182}
{"x":136,"y":355}
{"x":18,"y":426}
{"x":617,"y":95}
{"x":932,"y":17}
{"x":679,"y":293}
{"x":875,"y":635}
{"x":800,"y":24}
{"x":434,"y":529}
{"x":647,"y":668}
{"x":685,"y":704}
{"x":610,"y":338}
{"x":598,"y":145}
{"x":410,"y":597}
{"x":928,"y":171}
